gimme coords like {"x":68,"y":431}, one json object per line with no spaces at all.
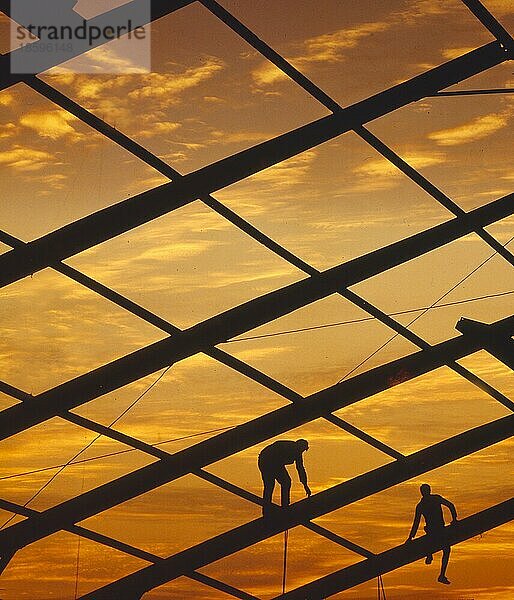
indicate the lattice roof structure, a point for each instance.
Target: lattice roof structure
{"x":51,"y":250}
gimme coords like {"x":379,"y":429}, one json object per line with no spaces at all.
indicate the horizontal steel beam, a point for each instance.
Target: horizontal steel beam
{"x":136,"y":584}
{"x":128,"y":214}
{"x":243,"y":318}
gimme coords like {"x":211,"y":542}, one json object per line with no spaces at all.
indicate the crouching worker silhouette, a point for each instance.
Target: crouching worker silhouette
{"x":272,"y":465}
{"x":431,"y":507}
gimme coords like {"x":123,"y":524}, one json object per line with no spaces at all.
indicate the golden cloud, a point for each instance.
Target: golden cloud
{"x":267,"y":74}
{"x":159,"y":128}
{"x":7,"y":130}
{"x":158,"y":85}
{"x":26,"y":159}
{"x":290,"y":172}
{"x":328,"y":47}
{"x":451,"y":53}
{"x":473,"y":131}
{"x":380,"y":167}
{"x":53,"y":124}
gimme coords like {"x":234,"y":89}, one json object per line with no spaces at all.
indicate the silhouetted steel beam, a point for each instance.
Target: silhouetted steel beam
{"x":109,"y":542}
{"x":242,"y":318}
{"x":123,"y":14}
{"x":124,"y":216}
{"x":228,"y":543}
{"x":153,"y":451}
{"x":239,"y":438}
{"x":491,"y":23}
{"x":407,"y":553}
{"x":500,"y":346}
{"x":215,"y":353}
{"x":430,"y":188}
{"x":314,"y":527}
{"x":474,"y":92}
{"x":317,"y":93}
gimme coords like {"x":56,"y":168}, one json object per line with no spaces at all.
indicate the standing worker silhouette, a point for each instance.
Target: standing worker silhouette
{"x":272,"y":465}
{"x":431,"y":507}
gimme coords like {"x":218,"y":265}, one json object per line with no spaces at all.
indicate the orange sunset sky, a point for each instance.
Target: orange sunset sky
{"x":210,"y":95}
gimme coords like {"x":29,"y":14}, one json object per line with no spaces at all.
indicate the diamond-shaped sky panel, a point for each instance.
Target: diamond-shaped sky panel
{"x":187,"y":266}
{"x":439,"y":404}
{"x":165,"y":520}
{"x":335,"y":202}
{"x":174,"y":410}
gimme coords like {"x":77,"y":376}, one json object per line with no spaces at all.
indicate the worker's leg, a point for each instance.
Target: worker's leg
{"x":269,"y":486}
{"x":429,"y":558}
{"x":283,"y":478}
{"x":268,"y":480}
{"x":444,"y":565}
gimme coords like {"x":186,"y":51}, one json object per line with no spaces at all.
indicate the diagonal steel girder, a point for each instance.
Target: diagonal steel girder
{"x":242,"y":318}
{"x":124,"y":216}
{"x":240,"y":438}
{"x":122,"y":14}
{"x":501,"y":347}
{"x":109,"y":542}
{"x":402,"y":555}
{"x":153,"y":450}
{"x":490,"y":22}
{"x":133,"y":586}
{"x":311,"y":88}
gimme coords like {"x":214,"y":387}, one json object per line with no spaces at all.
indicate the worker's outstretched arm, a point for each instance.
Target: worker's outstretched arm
{"x":415,"y":523}
{"x":452,"y":508}
{"x":302,"y":474}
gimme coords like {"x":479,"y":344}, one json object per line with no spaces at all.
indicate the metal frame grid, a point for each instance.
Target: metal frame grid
{"x":51,"y":249}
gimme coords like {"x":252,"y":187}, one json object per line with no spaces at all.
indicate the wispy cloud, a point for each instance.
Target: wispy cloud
{"x":332,"y":47}
{"x":474,"y":130}
{"x":290,"y":172}
{"x":325,"y":48}
{"x":451,"y":53}
{"x":53,"y":124}
{"x":379,"y":167}
{"x":8,"y":130}
{"x":157,"y":85}
{"x":22,"y":158}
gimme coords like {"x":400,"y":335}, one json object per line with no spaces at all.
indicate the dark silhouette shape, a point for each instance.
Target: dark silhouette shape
{"x":431,"y":507}
{"x":272,"y":465}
